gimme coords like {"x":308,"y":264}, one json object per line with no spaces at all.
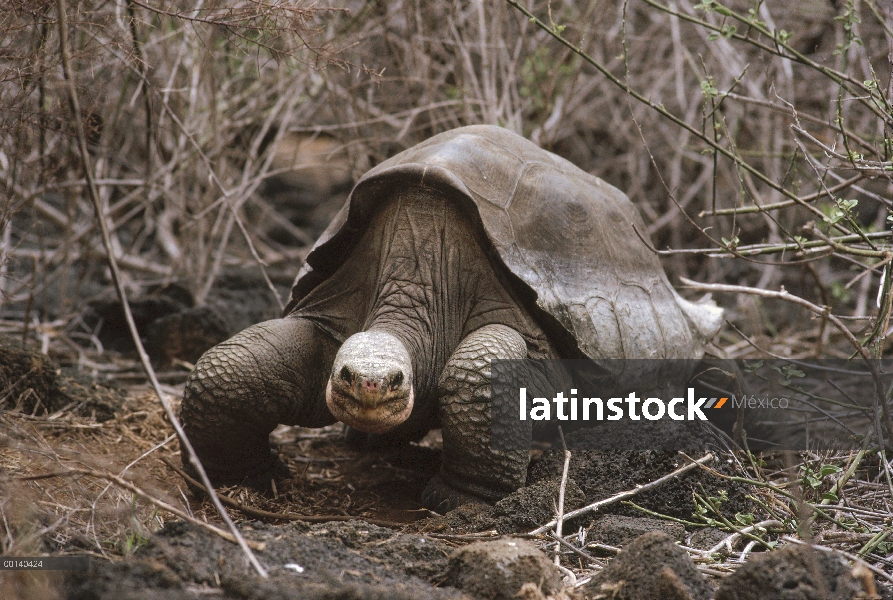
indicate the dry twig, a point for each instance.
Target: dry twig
{"x":235,"y":536}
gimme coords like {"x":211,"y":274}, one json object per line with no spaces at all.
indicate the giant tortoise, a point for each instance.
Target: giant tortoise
{"x":471,"y":246}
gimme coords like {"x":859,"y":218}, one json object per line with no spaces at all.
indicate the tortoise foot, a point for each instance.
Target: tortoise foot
{"x":441,"y":497}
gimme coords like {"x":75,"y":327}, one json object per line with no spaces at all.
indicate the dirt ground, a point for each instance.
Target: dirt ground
{"x":349,"y":523}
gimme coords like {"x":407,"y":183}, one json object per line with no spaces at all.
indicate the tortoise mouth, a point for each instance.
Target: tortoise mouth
{"x":390,"y":410}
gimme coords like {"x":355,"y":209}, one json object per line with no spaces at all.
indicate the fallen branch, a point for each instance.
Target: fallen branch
{"x":465,"y":537}
{"x":560,"y":517}
{"x":728,"y":541}
{"x":74,"y":103}
{"x":563,"y":542}
{"x":625,"y":495}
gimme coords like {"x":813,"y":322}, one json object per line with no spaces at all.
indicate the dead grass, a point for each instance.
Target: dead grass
{"x":85,"y":513}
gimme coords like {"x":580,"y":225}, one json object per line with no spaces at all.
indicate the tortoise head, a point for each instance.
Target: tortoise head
{"x":370,"y":387}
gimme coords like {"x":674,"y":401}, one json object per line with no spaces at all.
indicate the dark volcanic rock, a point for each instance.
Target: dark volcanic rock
{"x":468,"y":517}
{"x":498,"y":569}
{"x":652,"y":567}
{"x":129,"y":580}
{"x":32,"y":382}
{"x":531,"y":506}
{"x":105,"y":316}
{"x":170,"y":324}
{"x":100,"y":400}
{"x":520,"y":511}
{"x":185,"y":335}
{"x":618,"y":530}
{"x":28,"y":380}
{"x":707,"y":537}
{"x":601,"y":474}
{"x":284,"y":587}
{"x":793,"y":573}
{"x":332,"y":560}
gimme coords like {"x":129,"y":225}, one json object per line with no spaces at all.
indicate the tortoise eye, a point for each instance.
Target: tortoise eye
{"x":397,"y":381}
{"x":345,"y":374}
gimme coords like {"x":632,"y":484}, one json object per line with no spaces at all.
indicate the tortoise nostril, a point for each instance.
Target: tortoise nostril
{"x":345,"y":374}
{"x":397,"y":380}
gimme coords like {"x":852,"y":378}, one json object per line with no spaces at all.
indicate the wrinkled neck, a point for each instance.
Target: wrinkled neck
{"x":419,"y":283}
{"x":420,"y":272}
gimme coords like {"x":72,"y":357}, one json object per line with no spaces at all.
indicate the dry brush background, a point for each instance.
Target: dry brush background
{"x":183,"y":106}
{"x":755,"y":137}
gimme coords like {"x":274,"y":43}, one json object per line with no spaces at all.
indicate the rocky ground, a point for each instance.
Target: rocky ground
{"x":349,"y":524}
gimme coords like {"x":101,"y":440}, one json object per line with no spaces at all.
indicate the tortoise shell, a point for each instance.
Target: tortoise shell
{"x":566,"y":235}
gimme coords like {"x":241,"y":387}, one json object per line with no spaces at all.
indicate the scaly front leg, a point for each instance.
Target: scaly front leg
{"x":240,"y":390}
{"x":476,"y":467}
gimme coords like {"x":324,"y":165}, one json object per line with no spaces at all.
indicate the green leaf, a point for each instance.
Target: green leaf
{"x":836,"y":216}
{"x":726,"y":31}
{"x":706,"y":5}
{"x":708,"y":89}
{"x":790,"y":371}
{"x":830,"y":497}
{"x":829,"y":470}
{"x":840,"y":292}
{"x":847,"y":205}
{"x":753,"y":18}
{"x":787,"y":372}
{"x":752,"y":368}
{"x":744,"y":518}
